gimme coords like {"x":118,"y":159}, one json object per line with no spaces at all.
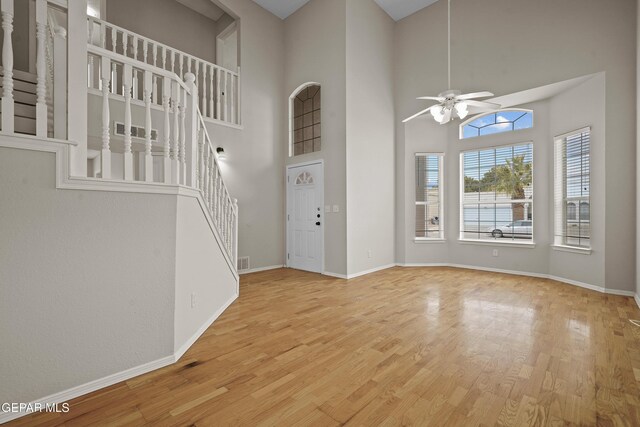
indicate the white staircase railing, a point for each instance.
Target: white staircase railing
{"x":189,"y":156}
{"x":219,"y":97}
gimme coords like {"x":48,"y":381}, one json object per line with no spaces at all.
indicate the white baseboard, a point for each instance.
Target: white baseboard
{"x":637,"y":298}
{"x":361,"y":273}
{"x":184,"y":347}
{"x":336,"y":275}
{"x":91,"y":386}
{"x":530,"y":274}
{"x":256,"y":270}
{"x":94,"y":385}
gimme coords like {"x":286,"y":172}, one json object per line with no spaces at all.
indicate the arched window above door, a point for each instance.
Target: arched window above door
{"x":305,"y":118}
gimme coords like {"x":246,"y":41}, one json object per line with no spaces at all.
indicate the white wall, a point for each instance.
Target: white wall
{"x":201,"y":270}
{"x":316,"y":52}
{"x":577,"y":38}
{"x":86,"y":279}
{"x":254,"y":168}
{"x":168,"y":22}
{"x":370,"y":137}
{"x":638,"y":152}
{"x":572,"y":110}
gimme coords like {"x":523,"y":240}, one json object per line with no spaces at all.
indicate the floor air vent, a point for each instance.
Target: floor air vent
{"x":243,"y":263}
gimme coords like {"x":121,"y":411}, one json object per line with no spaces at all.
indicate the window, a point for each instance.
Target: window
{"x":572,"y":226}
{"x":429,"y":207}
{"x":305,"y":118}
{"x":498,"y":122}
{"x":497,"y":194}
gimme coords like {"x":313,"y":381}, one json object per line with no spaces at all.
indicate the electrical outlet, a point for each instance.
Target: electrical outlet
{"x":336,"y":208}
{"x":495,"y":252}
{"x":193,"y":300}
{"x":369,"y":253}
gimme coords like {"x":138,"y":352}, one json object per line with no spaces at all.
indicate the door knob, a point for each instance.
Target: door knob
{"x":318,"y":223}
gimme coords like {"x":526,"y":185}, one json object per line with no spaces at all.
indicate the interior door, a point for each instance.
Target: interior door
{"x":305,"y":217}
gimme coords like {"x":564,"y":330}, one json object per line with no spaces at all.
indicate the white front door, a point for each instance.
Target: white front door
{"x":305,"y":217}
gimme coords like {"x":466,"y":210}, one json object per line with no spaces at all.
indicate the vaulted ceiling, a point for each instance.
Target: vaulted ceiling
{"x":397,"y":9}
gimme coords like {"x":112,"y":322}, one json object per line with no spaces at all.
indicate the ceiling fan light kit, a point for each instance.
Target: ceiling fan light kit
{"x":453,"y":103}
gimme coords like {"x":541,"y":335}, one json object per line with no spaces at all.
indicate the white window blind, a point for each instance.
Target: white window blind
{"x":572,"y":176}
{"x":497,"y":194}
{"x":429,"y":206}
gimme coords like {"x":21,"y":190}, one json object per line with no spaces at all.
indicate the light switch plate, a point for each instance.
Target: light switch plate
{"x":336,"y":208}
{"x":327,"y":208}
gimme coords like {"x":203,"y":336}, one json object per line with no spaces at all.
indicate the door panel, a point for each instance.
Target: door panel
{"x":305,"y":218}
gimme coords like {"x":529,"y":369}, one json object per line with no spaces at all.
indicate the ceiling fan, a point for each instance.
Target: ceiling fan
{"x":453,"y":103}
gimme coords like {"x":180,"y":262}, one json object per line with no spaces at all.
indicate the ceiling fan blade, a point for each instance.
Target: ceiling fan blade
{"x":482,"y":104}
{"x":484,"y":94}
{"x":434,"y":98}
{"x":416,"y":115}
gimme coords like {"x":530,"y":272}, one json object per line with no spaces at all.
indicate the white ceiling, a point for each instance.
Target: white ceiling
{"x":282,"y":8}
{"x":397,"y":9}
{"x":204,"y":7}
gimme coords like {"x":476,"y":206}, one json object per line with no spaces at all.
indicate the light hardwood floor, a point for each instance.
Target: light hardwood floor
{"x":420,"y":346}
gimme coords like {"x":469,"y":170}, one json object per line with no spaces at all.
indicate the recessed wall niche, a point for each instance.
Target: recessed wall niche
{"x":306,"y":118}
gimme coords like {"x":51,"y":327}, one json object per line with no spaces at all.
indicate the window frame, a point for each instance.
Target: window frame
{"x":481,"y":115}
{"x":560,"y":203}
{"x":526,"y":243}
{"x":441,"y":191}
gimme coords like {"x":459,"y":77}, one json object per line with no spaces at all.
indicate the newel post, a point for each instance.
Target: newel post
{"x":191,"y":128}
{"x":77,"y":85}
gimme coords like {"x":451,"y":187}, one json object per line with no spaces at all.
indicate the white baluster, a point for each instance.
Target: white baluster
{"x":60,"y":84}
{"x":164,"y":58}
{"x":199,"y":163}
{"x":134,"y":47}
{"x":8,"y":111}
{"x":239,"y":89}
{"x":148,"y":159}
{"x":226,"y":97}
{"x":213,"y":193}
{"x":235,"y":233}
{"x":41,"y":89}
{"x":211,"y":96}
{"x":103,"y":36}
{"x":114,"y":78}
{"x":154,"y":90}
{"x":114,"y":40}
{"x":188,"y":58}
{"x":105,"y":155}
{"x":125,"y":43}
{"x":128,"y":155}
{"x":232,"y":93}
{"x":173,"y":62}
{"x":204,"y":102}
{"x":145,"y":51}
{"x":183,"y":139}
{"x":181,"y":74}
{"x":155,"y":54}
{"x":205,"y":174}
{"x":218,"y":95}
{"x":175,"y":163}
{"x":166,"y":90}
{"x":90,"y":26}
{"x":90,"y":70}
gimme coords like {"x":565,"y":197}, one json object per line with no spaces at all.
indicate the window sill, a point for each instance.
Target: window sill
{"x":423,"y":241}
{"x":571,"y":249}
{"x":496,"y":243}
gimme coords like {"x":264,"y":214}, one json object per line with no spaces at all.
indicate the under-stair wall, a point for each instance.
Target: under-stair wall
{"x":91,"y":280}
